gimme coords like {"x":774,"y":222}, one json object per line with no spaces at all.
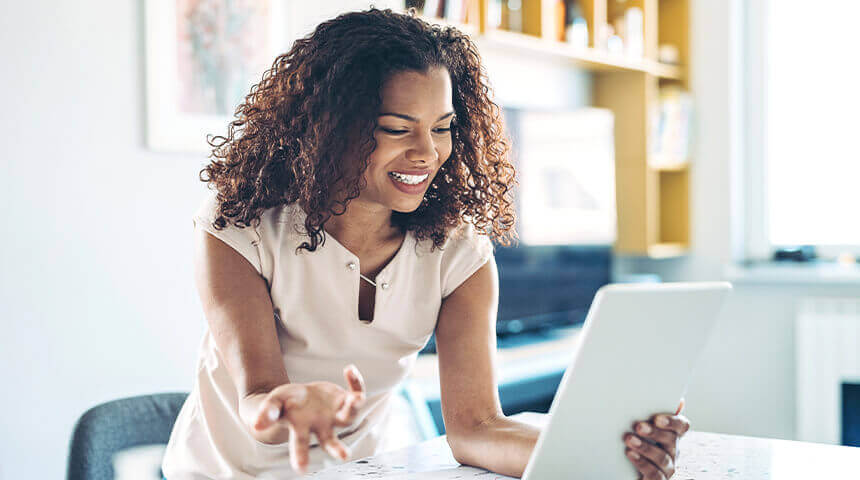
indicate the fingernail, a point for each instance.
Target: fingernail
{"x":274,"y":413}
{"x":644,"y":428}
{"x":635,"y":442}
{"x":633,"y":455}
{"x":335,"y":452}
{"x":662,"y":422}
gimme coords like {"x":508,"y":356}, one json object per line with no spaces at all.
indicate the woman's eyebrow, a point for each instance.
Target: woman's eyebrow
{"x":410,"y":118}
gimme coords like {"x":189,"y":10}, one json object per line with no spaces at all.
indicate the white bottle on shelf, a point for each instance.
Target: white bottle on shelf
{"x":577,"y":33}
{"x":634,"y":34}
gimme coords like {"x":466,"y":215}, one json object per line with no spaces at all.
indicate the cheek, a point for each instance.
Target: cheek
{"x":445,"y":148}
{"x":380,"y":156}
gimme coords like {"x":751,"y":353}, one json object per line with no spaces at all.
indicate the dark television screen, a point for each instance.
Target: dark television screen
{"x":542,"y":286}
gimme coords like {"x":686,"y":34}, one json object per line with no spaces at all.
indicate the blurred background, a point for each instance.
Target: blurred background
{"x":656,"y":140}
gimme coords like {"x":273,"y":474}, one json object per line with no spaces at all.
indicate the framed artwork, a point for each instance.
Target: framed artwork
{"x":202,"y":57}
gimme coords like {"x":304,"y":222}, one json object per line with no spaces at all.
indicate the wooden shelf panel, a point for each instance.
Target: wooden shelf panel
{"x":586,"y":58}
{"x":652,"y":190}
{"x":467,"y":28}
{"x":667,"y":250}
{"x":668,"y":165}
{"x":657,"y":250}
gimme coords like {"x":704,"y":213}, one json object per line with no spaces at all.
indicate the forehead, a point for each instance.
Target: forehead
{"x":419,"y":94}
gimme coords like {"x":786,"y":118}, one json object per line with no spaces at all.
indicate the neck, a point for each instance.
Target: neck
{"x":362,"y":227}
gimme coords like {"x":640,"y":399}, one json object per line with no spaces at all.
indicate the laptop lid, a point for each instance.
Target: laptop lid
{"x":635,"y":356}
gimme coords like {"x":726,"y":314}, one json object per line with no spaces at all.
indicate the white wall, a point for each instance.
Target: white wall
{"x":96,"y":293}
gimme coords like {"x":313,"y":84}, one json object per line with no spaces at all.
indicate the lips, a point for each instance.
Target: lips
{"x":413,"y":172}
{"x":405,"y":180}
{"x":408,"y":179}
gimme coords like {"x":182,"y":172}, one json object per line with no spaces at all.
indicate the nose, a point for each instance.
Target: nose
{"x":423,"y":150}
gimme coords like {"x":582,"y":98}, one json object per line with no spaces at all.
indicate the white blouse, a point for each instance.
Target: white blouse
{"x":315,"y":299}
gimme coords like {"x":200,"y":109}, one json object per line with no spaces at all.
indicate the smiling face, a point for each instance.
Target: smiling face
{"x":413,"y":139}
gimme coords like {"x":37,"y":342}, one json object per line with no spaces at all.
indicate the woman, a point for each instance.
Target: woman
{"x":356,"y":194}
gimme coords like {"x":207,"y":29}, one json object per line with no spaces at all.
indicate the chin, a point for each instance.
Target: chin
{"x":405,"y":208}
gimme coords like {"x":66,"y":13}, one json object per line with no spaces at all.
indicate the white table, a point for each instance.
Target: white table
{"x":703,"y":456}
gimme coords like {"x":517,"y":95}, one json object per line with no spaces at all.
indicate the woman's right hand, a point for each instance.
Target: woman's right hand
{"x":290,"y":412}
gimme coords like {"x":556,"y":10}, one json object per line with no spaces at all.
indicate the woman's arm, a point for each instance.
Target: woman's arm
{"x":241,"y":319}
{"x":240,"y":315}
{"x":478,"y":432}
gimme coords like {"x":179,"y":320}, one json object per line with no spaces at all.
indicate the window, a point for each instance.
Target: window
{"x":803,"y":115}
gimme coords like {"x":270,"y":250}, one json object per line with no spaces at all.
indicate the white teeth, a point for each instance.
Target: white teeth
{"x":409,"y":179}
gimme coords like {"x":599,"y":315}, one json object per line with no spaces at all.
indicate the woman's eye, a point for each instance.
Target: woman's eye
{"x":400,"y":132}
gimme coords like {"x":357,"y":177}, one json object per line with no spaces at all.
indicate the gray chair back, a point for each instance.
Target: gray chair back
{"x":111,"y":427}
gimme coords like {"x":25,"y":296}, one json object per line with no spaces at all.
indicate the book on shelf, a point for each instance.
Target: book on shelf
{"x":670,"y":127}
{"x":454,"y":11}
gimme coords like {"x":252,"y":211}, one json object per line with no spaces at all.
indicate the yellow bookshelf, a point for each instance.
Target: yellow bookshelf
{"x":652,"y":194}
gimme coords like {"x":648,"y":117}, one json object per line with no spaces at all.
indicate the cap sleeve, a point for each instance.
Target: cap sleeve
{"x":466,"y":251}
{"x":245,"y":240}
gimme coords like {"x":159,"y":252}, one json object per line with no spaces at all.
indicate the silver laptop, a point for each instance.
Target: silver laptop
{"x":636,"y":354}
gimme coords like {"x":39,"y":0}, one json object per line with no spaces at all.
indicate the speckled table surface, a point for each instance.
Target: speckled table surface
{"x":702,"y":456}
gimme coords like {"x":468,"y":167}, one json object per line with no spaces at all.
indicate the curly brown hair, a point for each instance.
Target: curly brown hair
{"x":320,"y":101}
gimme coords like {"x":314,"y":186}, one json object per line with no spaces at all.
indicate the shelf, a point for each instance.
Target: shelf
{"x":667,"y":250}
{"x":586,"y":58}
{"x":791,"y":273}
{"x":468,"y":29}
{"x":668,"y":165}
{"x":652,"y":191}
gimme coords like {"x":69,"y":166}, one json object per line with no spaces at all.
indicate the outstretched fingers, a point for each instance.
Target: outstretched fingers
{"x":270,"y":411}
{"x":354,"y":398}
{"x":354,"y":378}
{"x":299,"y":445}
{"x":349,"y":410}
{"x":332,"y":444}
{"x":276,"y":404}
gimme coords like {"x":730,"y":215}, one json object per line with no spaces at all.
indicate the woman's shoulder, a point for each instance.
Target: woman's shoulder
{"x":463,"y":237}
{"x":465,"y":251}
{"x":276,"y":228}
{"x":286,"y":217}
{"x":467,"y":236}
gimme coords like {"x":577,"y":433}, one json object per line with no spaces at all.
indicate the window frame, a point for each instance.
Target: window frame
{"x":757,"y":245}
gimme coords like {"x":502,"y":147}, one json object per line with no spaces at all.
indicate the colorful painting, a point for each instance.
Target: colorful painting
{"x":221,"y":52}
{"x":203,"y":57}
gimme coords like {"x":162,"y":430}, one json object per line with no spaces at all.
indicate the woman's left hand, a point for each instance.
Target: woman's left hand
{"x":654,"y":457}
